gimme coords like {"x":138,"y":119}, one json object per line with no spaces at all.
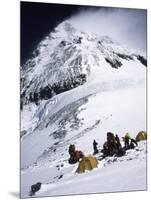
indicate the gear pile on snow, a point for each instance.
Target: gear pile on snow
{"x":75,"y":155}
{"x":35,"y":188}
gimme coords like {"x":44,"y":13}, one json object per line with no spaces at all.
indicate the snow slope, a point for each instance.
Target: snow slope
{"x":113,"y":174}
{"x":111,"y":97}
{"x":109,"y":177}
{"x":41,"y":152}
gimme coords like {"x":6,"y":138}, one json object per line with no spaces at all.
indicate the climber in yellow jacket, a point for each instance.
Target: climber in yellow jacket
{"x":127,"y":140}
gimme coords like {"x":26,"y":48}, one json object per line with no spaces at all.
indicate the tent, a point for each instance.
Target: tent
{"x":142,"y":135}
{"x":87,"y":163}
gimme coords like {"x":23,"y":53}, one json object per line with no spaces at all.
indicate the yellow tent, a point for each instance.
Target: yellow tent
{"x":142,"y":135}
{"x":87,"y":163}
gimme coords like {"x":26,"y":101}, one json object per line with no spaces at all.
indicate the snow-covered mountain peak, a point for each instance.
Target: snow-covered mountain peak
{"x":67,"y":58}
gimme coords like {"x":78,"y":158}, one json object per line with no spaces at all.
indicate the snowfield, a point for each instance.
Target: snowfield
{"x":113,"y":174}
{"x":107,"y":178}
{"x":110,"y":100}
{"x":42,"y":154}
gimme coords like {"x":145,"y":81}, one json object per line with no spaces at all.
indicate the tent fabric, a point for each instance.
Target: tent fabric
{"x":142,"y":135}
{"x":87,"y":163}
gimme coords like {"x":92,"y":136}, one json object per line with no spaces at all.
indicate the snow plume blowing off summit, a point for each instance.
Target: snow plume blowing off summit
{"x":127,"y":26}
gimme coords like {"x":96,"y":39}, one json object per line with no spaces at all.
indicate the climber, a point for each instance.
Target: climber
{"x":133,"y":144}
{"x":105,"y":149}
{"x":127,"y":141}
{"x":111,"y":143}
{"x":95,"y":147}
{"x":71,"y":149}
{"x":118,"y":144}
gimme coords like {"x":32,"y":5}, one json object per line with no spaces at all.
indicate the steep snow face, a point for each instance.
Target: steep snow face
{"x":75,"y":89}
{"x":66,"y":58}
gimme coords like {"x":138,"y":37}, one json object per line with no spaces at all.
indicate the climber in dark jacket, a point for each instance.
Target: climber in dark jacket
{"x":118,"y":144}
{"x":111,"y":143}
{"x":105,"y":149}
{"x":71,"y":149}
{"x":95,"y":147}
{"x":133,"y":144}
